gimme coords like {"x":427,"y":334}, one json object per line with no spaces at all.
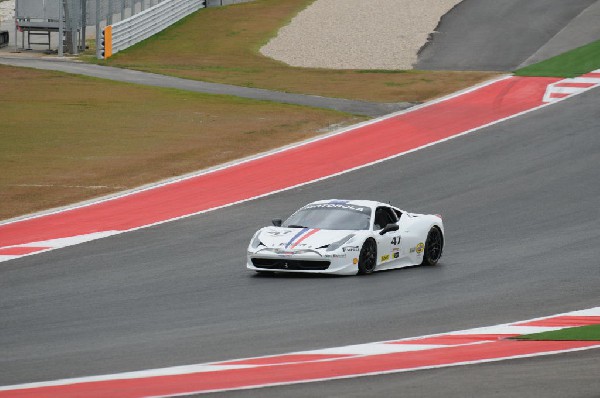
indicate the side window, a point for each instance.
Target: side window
{"x":383,"y":217}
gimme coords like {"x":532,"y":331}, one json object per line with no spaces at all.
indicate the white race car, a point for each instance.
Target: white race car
{"x":347,"y":237}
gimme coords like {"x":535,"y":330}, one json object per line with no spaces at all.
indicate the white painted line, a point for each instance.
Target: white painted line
{"x":6,"y":258}
{"x":507,"y":329}
{"x":592,"y":80}
{"x":566,"y":90}
{"x":589,"y":312}
{"x":373,"y":349}
{"x":74,"y":240}
{"x":142,"y":374}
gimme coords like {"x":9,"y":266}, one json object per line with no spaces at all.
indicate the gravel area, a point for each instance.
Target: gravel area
{"x":358,"y":34}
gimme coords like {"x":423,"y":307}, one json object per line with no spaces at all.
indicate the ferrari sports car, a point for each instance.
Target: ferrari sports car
{"x":347,"y":237}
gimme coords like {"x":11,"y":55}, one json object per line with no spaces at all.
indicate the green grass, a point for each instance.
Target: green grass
{"x":573,"y":63}
{"x":583,"y":333}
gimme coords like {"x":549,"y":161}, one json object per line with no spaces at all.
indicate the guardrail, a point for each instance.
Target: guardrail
{"x":217,"y":3}
{"x":133,"y":30}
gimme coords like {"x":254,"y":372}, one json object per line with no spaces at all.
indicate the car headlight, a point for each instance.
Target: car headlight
{"x":339,"y":243}
{"x":255,"y":242}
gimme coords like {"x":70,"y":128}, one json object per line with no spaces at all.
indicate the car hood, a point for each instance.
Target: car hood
{"x":299,"y":238}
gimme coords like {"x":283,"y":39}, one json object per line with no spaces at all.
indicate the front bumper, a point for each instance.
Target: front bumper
{"x":313,"y":262}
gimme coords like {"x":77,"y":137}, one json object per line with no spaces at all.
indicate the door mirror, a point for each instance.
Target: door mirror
{"x":389,"y":228}
{"x":277,"y":222}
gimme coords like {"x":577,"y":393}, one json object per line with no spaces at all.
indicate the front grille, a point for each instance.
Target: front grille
{"x":289,"y":264}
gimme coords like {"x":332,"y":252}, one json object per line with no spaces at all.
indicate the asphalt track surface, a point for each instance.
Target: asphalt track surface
{"x":520,"y":206}
{"x":151,"y":79}
{"x":502,"y":35}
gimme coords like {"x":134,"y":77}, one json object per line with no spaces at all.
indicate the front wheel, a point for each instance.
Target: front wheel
{"x":367,"y":258}
{"x":433,"y":247}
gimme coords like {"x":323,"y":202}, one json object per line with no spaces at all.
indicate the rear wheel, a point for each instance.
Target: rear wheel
{"x":367,"y":258}
{"x":433,"y":247}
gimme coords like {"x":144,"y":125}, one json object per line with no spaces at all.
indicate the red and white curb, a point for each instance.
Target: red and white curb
{"x":300,"y":164}
{"x":12,"y":252}
{"x":568,"y":87}
{"x":363,"y":145}
{"x":464,"y":347}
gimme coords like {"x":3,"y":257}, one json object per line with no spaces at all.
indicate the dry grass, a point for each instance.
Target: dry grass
{"x":221,"y":45}
{"x":79,"y":138}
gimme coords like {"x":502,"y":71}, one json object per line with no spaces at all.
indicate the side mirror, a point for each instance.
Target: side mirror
{"x":389,"y":228}
{"x":277,"y":222}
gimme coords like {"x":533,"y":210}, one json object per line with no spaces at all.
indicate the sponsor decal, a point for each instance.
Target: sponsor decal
{"x":396,"y":254}
{"x":413,"y":249}
{"x":338,"y":206}
{"x":385,"y":258}
{"x":335,"y":256}
{"x":355,"y":261}
{"x":278,"y":233}
{"x":351,"y":249}
{"x":420,"y":247}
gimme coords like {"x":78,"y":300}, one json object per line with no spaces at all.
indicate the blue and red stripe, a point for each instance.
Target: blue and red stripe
{"x":300,"y":236}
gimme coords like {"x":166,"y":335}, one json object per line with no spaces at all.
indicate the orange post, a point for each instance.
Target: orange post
{"x":107,"y":41}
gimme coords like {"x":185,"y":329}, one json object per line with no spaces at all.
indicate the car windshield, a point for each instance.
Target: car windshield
{"x":330,"y":216}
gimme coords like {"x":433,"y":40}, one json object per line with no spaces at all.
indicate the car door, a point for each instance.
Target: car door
{"x":389,"y":245}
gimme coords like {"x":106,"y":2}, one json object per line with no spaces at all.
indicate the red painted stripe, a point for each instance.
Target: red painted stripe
{"x":293,"y":373}
{"x":312,"y":232}
{"x":20,"y":251}
{"x":592,"y":74}
{"x":559,"y":95}
{"x":279,"y":359}
{"x":574,"y":84}
{"x":456,"y":339}
{"x":563,"y":321}
{"x":294,"y":166}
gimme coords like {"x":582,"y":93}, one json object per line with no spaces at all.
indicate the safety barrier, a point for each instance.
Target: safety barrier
{"x":133,"y":30}
{"x":218,"y":3}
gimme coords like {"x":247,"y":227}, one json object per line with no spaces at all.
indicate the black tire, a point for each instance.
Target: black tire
{"x":367,"y":258}
{"x":433,"y":247}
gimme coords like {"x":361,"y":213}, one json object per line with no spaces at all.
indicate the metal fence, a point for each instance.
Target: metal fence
{"x":78,"y":16}
{"x":217,"y":3}
{"x":132,"y":30}
{"x":42,"y":17}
